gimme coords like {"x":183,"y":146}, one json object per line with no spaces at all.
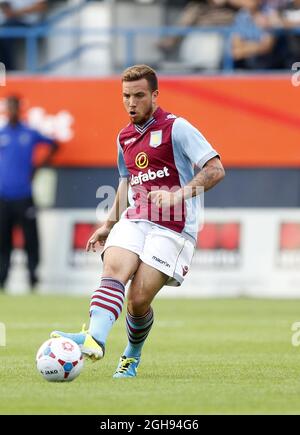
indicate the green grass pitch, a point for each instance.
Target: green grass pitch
{"x":202,"y":357}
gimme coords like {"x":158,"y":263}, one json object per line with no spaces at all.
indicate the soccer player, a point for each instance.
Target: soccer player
{"x":152,"y":241}
{"x":17,"y":145}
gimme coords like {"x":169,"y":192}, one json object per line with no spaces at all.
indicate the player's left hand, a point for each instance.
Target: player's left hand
{"x":163,"y":198}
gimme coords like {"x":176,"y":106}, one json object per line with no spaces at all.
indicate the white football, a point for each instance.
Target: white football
{"x":59,"y":359}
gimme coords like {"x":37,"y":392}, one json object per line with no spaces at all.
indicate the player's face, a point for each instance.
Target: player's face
{"x":139,"y":100}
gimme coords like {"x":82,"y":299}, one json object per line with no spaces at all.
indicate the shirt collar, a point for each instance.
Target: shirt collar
{"x":142,"y":128}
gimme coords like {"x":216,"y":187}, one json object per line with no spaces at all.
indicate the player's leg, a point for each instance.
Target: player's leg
{"x":106,"y":304}
{"x":107,"y":301}
{"x":120,"y":262}
{"x":28,"y":220}
{"x":6,"y":227}
{"x":165,"y":259}
{"x":139,"y":319}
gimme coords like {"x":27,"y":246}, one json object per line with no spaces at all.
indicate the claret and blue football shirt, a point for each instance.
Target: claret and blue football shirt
{"x":162,"y":154}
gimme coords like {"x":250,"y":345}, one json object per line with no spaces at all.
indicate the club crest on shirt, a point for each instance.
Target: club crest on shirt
{"x":155,"y":138}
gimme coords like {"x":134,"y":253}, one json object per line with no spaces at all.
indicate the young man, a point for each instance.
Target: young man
{"x":17,"y":145}
{"x":152,"y":241}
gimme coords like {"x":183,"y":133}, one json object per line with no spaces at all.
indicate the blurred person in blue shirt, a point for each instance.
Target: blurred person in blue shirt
{"x":17,"y":146}
{"x":17,"y":13}
{"x":285,"y":17}
{"x":252,"y":45}
{"x":201,"y":13}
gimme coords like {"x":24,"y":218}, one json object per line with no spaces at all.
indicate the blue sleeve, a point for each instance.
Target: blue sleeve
{"x":40,"y":138}
{"x":245,"y":27}
{"x":123,"y":171}
{"x":193,"y":144}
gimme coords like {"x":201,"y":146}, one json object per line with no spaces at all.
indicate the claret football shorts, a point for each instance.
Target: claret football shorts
{"x":156,"y":246}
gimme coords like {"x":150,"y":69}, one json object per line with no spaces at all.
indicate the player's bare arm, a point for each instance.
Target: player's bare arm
{"x":120,"y":204}
{"x":211,"y":174}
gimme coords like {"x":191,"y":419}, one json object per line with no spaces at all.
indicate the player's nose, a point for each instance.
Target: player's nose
{"x":132,"y":102}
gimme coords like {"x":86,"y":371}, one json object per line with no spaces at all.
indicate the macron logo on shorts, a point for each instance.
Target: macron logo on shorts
{"x":143,"y":177}
{"x":164,"y":263}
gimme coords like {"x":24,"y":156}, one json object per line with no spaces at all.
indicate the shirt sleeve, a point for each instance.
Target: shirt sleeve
{"x":123,"y":171}
{"x":193,"y":144}
{"x":244,"y":26}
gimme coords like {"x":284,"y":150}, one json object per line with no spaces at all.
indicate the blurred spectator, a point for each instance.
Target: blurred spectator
{"x":286,"y":16}
{"x":23,"y":13}
{"x":275,"y":4}
{"x":290,"y":16}
{"x":17,"y":145}
{"x":252,"y":45}
{"x":202,"y":13}
{"x":291,"y":19}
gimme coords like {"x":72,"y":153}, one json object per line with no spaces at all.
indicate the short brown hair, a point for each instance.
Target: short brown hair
{"x":138,"y":72}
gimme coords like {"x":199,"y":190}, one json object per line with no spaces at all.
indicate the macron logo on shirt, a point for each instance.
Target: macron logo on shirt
{"x":149,"y":176}
{"x":127,"y":142}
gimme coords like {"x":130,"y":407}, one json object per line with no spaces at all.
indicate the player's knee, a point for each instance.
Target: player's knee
{"x":118,"y":267}
{"x":112,"y":271}
{"x":138,"y":305}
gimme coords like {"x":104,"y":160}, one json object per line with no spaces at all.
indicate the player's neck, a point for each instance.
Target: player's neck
{"x":154,"y":108}
{"x":149,"y":117}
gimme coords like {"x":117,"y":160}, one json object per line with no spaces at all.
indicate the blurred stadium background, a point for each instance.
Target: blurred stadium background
{"x":66,"y":66}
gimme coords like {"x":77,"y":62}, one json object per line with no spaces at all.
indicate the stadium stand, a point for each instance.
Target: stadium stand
{"x":102,"y":37}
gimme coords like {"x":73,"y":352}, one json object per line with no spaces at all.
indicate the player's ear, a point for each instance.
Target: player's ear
{"x":155,"y":95}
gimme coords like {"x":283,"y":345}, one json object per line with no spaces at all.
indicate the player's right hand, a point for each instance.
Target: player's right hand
{"x":99,"y":236}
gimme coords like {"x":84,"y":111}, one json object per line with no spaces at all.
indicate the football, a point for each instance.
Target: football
{"x":59,"y":359}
